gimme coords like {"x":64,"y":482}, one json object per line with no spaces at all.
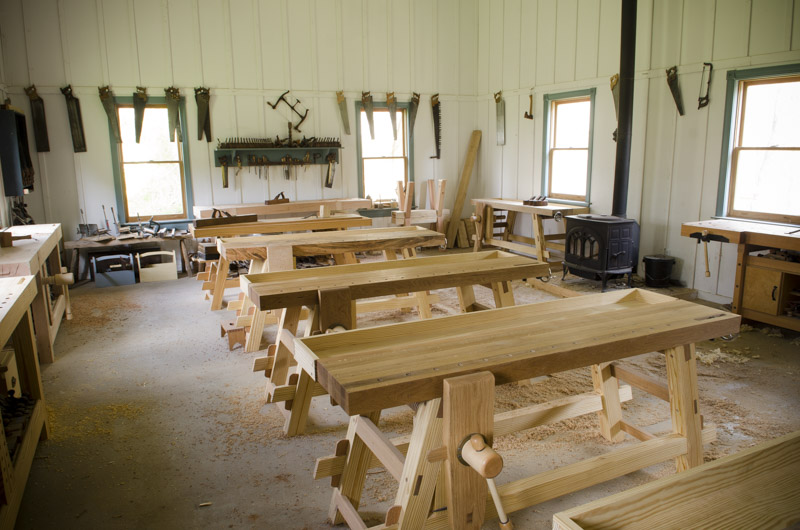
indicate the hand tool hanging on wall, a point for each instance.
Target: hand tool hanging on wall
{"x":391,"y":104}
{"x":173,"y":112}
{"x":436,"y":111}
{"x":108,"y":226}
{"x":139,"y":104}
{"x":331,"y":159}
{"x":39,"y":120}
{"x":614,"y":82}
{"x":75,"y":120}
{"x":342,"y":102}
{"x":529,"y":115}
{"x":366,"y":102}
{"x":293,"y":106}
{"x":202,"y":96}
{"x":114,"y":218}
{"x":702,"y":100}
{"x":500,"y":112}
{"x":672,"y":81}
{"x":412,"y":113}
{"x":223,"y":162}
{"x":287,"y":162}
{"x":107,"y":99}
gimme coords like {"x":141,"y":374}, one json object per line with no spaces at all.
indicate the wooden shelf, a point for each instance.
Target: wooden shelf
{"x":275,"y":154}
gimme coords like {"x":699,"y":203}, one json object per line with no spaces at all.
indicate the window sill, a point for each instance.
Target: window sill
{"x":172,"y":223}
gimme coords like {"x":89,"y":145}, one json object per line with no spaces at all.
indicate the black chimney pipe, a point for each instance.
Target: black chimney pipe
{"x":627,"y":56}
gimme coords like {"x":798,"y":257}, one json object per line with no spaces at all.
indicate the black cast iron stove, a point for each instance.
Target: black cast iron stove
{"x":599,"y":246}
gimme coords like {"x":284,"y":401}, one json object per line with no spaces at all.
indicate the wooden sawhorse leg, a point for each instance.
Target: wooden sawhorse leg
{"x":279,"y":258}
{"x":219,"y":284}
{"x":683,"y":403}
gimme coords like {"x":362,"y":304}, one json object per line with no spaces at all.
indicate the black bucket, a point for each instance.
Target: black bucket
{"x":657,"y":270}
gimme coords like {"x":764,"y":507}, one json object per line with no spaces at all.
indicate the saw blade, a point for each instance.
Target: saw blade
{"x":672,"y":82}
{"x":437,"y":124}
{"x":500,"y":107}
{"x":342,"y":102}
{"x":366,"y":101}
{"x":614,"y":82}
{"x":391,"y":104}
{"x":412,"y":113}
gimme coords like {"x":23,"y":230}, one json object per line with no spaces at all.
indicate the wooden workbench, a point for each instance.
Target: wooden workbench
{"x":40,"y":256}
{"x":538,"y":245}
{"x":448,"y":368}
{"x":762,"y":287}
{"x":16,"y":325}
{"x":270,"y":226}
{"x":296,"y":208}
{"x":331,"y":293}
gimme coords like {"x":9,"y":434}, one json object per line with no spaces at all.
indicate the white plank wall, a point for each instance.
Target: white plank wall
{"x":249,"y":51}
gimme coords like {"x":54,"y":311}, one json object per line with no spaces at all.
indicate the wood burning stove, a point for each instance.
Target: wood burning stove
{"x":598,"y":246}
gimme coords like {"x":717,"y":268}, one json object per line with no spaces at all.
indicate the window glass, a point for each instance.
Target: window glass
{"x":572,"y":123}
{"x":384,"y":160}
{"x":569,"y":135}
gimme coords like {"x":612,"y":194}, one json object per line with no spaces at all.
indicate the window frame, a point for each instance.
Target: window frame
{"x":731,"y":136}
{"x":129,"y":218}
{"x":409,"y":145}
{"x":549,"y":101}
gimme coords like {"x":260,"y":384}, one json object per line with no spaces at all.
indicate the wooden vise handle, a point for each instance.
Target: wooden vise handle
{"x":488,"y":464}
{"x":7,"y":239}
{"x":65,"y":278}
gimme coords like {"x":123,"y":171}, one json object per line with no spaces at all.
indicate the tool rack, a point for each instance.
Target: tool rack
{"x":276,"y":156}
{"x":16,"y":325}
{"x":334,"y":295}
{"x":446,"y":369}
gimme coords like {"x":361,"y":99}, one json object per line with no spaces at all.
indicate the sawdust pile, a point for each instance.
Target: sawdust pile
{"x":68,"y":422}
{"x":709,"y":357}
{"x":96,"y":311}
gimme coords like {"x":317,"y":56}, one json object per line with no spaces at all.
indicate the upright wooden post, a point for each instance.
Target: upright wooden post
{"x":683,"y":402}
{"x":610,"y":416}
{"x":468,"y":409}
{"x":463,"y":185}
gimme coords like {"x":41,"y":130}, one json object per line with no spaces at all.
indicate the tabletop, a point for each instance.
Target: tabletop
{"x":25,"y":256}
{"x":549,"y":210}
{"x":282,"y":224}
{"x":746,"y":232}
{"x":16,"y":295}
{"x":281,"y":209}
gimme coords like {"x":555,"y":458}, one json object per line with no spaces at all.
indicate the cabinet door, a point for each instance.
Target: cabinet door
{"x":762,"y":290}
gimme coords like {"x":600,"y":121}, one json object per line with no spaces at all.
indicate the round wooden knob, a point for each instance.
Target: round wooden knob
{"x":476,"y":218}
{"x":60,"y":279}
{"x":481,"y":457}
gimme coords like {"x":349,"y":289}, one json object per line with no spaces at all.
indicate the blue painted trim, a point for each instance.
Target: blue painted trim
{"x":549,"y":98}
{"x":729,"y":123}
{"x":187,"y":173}
{"x":409,"y":143}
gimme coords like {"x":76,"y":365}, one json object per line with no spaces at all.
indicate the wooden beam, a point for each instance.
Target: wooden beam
{"x":648,"y":384}
{"x":463,"y":185}
{"x":381,"y":446}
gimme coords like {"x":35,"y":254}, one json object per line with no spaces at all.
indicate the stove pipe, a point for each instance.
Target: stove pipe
{"x":627,"y":54}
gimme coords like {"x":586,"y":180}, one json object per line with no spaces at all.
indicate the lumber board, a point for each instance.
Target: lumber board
{"x":463,"y":186}
{"x":336,"y":242}
{"x":380,"y":446}
{"x":404,"y":363}
{"x":282,"y":209}
{"x":369,"y":280}
{"x":418,"y":216}
{"x":281,"y":225}
{"x":643,"y":382}
{"x":548,"y":210}
{"x":754,"y":488}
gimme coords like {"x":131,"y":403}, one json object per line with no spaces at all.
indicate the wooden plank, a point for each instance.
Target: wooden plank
{"x":278,"y":226}
{"x":337,"y":307}
{"x":643,"y":382}
{"x":754,"y":488}
{"x":463,"y":185}
{"x":468,"y":403}
{"x":281,"y":210}
{"x":383,"y":449}
{"x":610,"y":416}
{"x":683,"y":401}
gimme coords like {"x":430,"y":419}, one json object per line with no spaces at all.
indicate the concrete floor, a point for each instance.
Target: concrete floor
{"x":151,"y":417}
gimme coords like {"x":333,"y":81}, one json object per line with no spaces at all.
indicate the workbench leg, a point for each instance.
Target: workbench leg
{"x":355,"y":469}
{"x":256,"y":333}
{"x":480,"y":215}
{"x":468,"y":408}
{"x":466,"y":298}
{"x":610,"y":416}
{"x":347,"y":258}
{"x":187,"y":268}
{"x":488,"y":225}
{"x":423,"y":305}
{"x":420,"y":477}
{"x":503,"y":294}
{"x":538,"y":236}
{"x":41,"y":322}
{"x":298,"y":415}
{"x":738,"y":282}
{"x":290,"y":317}
{"x":219,"y":284}
{"x":336,"y":308}
{"x":683,"y":403}
{"x":511,"y":219}
{"x":28,"y":365}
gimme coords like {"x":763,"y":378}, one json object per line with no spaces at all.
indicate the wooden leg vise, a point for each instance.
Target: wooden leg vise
{"x":63,"y":280}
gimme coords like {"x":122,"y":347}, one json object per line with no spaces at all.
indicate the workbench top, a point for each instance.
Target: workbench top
{"x":377,"y":368}
{"x":323,"y":243}
{"x":25,"y":256}
{"x":16,"y":296}
{"x":549,"y":210}
{"x":747,"y":232}
{"x":282,"y":209}
{"x":275,"y":290}
{"x":282,"y":224}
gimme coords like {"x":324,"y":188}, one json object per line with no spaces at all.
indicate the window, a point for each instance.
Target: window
{"x":762,"y":155}
{"x":383,"y":161}
{"x":568,"y":145}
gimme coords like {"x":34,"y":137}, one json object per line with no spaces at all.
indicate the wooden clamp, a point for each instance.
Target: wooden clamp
{"x":7,"y":239}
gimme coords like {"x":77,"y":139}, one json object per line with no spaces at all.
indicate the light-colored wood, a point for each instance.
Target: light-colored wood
{"x":220,"y":283}
{"x":643,"y":382}
{"x":463,"y":186}
{"x":754,"y":488}
{"x":744,"y":232}
{"x":503,"y":294}
{"x":481,"y":457}
{"x":636,"y":432}
{"x":298,"y":208}
{"x":337,"y":307}
{"x":762,"y":290}
{"x":390,"y":303}
{"x":468,"y":403}
{"x":554,"y":289}
{"x":610,"y":416}
{"x":380,"y":446}
{"x":347,"y":511}
{"x":683,"y":400}
{"x":282,"y":225}
{"x":514,"y":343}
{"x":157,"y":272}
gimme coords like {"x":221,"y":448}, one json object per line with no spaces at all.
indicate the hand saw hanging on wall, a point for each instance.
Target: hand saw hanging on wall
{"x":342,"y":102}
{"x":672,"y":81}
{"x":391,"y":104}
{"x":436,"y":110}
{"x":500,"y":109}
{"x":412,"y":113}
{"x":366,"y":102}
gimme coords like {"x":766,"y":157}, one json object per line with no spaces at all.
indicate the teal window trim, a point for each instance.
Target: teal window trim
{"x":187,"y":173}
{"x":548,"y":99}
{"x":409,"y":143}
{"x":731,"y":99}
